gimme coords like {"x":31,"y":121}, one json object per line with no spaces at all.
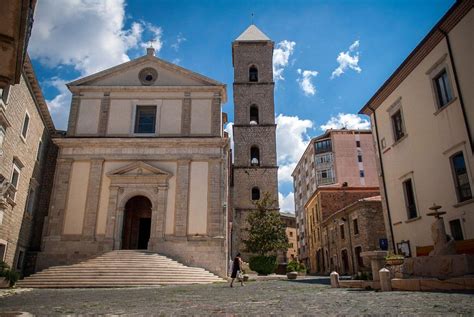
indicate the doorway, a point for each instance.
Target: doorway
{"x":136,"y":223}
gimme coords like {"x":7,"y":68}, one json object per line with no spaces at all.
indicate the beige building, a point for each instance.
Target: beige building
{"x":422,"y":121}
{"x":337,"y":156}
{"x":27,"y":157}
{"x":325,"y":202}
{"x":290,"y":223}
{"x":143,"y":166}
{"x":16,"y":21}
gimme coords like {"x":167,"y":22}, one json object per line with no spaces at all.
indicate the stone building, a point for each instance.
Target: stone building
{"x":255,"y":169}
{"x":356,"y":228}
{"x":290,"y":222}
{"x":423,"y":126}
{"x":16,"y":21}
{"x":327,"y":200}
{"x":337,"y":156}
{"x":27,"y":157}
{"x":143,"y":166}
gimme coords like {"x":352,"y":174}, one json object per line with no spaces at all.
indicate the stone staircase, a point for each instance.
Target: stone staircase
{"x":120,"y":268}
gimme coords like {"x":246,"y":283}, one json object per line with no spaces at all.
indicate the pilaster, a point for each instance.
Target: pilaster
{"x":186,"y":115}
{"x":73,"y":114}
{"x":93,"y":197}
{"x":215,"y":208}
{"x":182,"y":198}
{"x":216,"y":123}
{"x":104,"y":114}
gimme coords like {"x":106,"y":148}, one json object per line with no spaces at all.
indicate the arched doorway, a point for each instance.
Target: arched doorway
{"x":136,"y":223}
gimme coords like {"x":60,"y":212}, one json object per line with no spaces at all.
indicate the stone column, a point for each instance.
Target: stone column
{"x":111,"y":214}
{"x":186,"y":115}
{"x":73,"y":113}
{"x":385,"y":281}
{"x":214,"y":211}
{"x":216,"y":118}
{"x":158,"y":216}
{"x":93,"y":197}
{"x":182,"y":198}
{"x":58,"y":202}
{"x":104,"y":114}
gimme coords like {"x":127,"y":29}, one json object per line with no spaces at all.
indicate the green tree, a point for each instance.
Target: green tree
{"x":266,"y":231}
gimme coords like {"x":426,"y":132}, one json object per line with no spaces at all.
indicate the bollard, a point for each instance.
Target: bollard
{"x":385,"y":280}
{"x":334,"y":279}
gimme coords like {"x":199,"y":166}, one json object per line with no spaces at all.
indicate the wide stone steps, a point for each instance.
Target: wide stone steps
{"x":124,"y":268}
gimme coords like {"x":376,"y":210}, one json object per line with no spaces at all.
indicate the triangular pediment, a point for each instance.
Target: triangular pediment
{"x":137,"y":169}
{"x":129,"y":74}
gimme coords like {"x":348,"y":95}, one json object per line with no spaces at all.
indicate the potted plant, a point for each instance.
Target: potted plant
{"x":394,"y":259}
{"x":292,"y":270}
{"x":8,"y":277}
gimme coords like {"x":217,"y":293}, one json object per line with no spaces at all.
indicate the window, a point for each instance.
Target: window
{"x":291,"y":245}
{"x":357,"y":143}
{"x":19,"y":262}
{"x":254,"y":156}
{"x":324,"y":158}
{"x":461,"y":178}
{"x":255,"y":193}
{"x":291,"y":234}
{"x":40,"y":151}
{"x":359,"y":158}
{"x":443,"y":88}
{"x":358,"y":251}
{"x":397,"y":123}
{"x":30,"y":204}
{"x":356,"y":226}
{"x":15,"y":176}
{"x":253,"y":114}
{"x":145,"y":119}
{"x":4,"y":93}
{"x":410,"y":199}
{"x":341,"y":227}
{"x":3,"y":250}
{"x":361,"y":173}
{"x":253,"y":74}
{"x":26,"y":123}
{"x":456,"y":230}
{"x":323,"y":146}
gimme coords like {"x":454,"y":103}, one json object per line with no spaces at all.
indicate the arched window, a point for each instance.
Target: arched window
{"x":254,"y":156}
{"x":253,"y":114}
{"x":253,"y":74}
{"x":255,"y":193}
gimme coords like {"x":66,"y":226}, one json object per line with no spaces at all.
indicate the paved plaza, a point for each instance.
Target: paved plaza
{"x":303,"y":297}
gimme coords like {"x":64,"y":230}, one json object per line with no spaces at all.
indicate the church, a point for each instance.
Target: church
{"x":145,"y":162}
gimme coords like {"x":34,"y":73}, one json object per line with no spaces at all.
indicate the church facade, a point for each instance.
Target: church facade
{"x":144,"y":165}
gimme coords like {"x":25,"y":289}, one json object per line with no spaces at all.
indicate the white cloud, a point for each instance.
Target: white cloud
{"x":284,"y":172}
{"x":292,"y":138}
{"x":281,"y":55}
{"x":304,"y":80}
{"x":229,"y":130}
{"x":346,"y":120}
{"x":179,"y":39}
{"x":87,"y":35}
{"x":348,"y":59}
{"x":287,"y":203}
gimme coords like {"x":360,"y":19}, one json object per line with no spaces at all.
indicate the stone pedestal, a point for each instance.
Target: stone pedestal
{"x":334,"y":280}
{"x":377,"y":261}
{"x":385,"y":280}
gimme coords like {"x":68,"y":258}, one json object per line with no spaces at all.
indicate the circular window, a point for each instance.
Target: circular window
{"x":148,"y":76}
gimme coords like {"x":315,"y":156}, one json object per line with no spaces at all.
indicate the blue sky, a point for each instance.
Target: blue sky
{"x":80,"y":37}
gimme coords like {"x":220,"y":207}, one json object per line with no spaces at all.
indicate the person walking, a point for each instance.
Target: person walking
{"x":237,"y":270}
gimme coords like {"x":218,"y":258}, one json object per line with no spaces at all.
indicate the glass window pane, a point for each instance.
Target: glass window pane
{"x":463,"y":187}
{"x":145,"y":119}
{"x":25,"y":126}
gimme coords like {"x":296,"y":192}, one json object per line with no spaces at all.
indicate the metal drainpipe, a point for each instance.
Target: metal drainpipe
{"x":458,"y":87}
{"x":383,"y":180}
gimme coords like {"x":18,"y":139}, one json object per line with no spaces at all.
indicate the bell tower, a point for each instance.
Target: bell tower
{"x":255,"y":162}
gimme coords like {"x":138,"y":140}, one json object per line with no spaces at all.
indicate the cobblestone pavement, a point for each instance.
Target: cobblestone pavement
{"x":308,"y":297}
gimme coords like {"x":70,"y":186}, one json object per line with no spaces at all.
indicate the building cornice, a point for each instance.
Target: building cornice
{"x":455,"y":14}
{"x":140,"y":142}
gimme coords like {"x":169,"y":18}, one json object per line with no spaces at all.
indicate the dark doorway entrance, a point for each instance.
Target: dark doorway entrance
{"x":345,"y":261}
{"x":136,"y":223}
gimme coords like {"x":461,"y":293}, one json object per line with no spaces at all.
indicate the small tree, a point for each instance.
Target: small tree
{"x":266,"y":232}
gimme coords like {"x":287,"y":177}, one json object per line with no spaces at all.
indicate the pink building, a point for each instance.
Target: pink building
{"x":336,"y":157}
